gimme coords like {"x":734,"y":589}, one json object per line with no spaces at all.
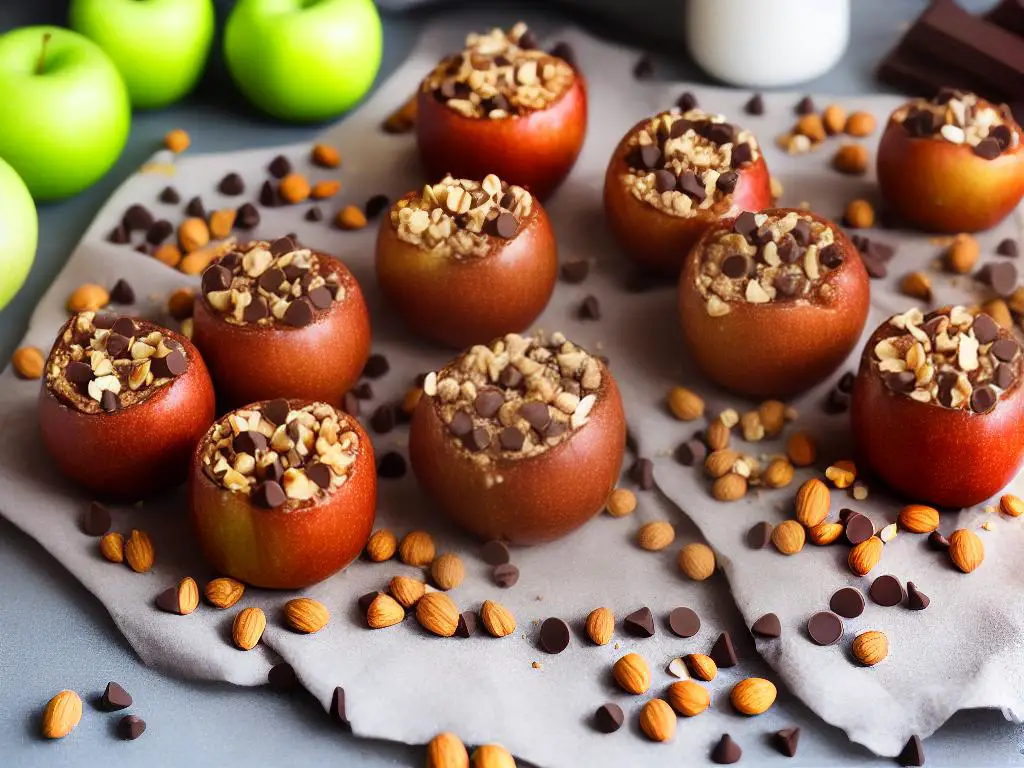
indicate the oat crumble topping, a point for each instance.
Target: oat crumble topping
{"x":686,"y":162}
{"x":776,"y":256}
{"x":498,"y":75}
{"x":279,"y":454}
{"x":270,"y":283}
{"x":103,"y":362}
{"x":950,"y":358}
{"x":459,"y":218}
{"x":961,"y":118}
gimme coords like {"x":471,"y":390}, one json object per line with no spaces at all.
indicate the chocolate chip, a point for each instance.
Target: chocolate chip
{"x":831,"y":256}
{"x":104,"y":319}
{"x":916,"y":599}
{"x":735,"y":265}
{"x":365,"y":601}
{"x":1008,"y":247}
{"x":391,"y":466}
{"x":195,"y":208}
{"x":686,"y":101}
{"x":461,"y":424}
{"x":269,"y":196}
{"x":759,"y":535}
{"x":787,"y":249}
{"x":608,"y":718}
{"x":787,"y":285}
{"x":805,"y":106}
{"x":505,"y":225}
{"x":495,"y":552}
{"x":216,"y":278}
{"x":679,"y":127}
{"x":726,"y":751}
{"x":859,"y":528}
{"x":745,"y":224}
{"x":825,"y":628}
{"x":755,"y":106}
{"x":170,"y":365}
{"x":988,"y":149}
{"x":1002,"y":277}
{"x":644,"y":68}
{"x":1002,"y":135}
{"x":299,"y":313}
{"x":249,"y":442}
{"x":477,"y":440}
{"x":488,"y":402}
{"x":886,"y":591}
{"x":376,"y":366}
{"x":1003,"y":377}
{"x":118,"y":235}
{"x":314,"y":214}
{"x":912,"y":754}
{"x":137,"y":217}
{"x":640,"y":623}
{"x":691,"y":452}
{"x":319,"y":474}
{"x":837,"y":401}
{"x":279,"y":167}
{"x":122,"y":293}
{"x":650,"y":156}
{"x":231,"y":184}
{"x":691,"y":185}
{"x":383,"y":419}
{"x":511,"y":439}
{"x":78,"y":373}
{"x":117,"y":346}
{"x":168,"y":600}
{"x":574,"y":272}
{"x":726,"y":183}
{"x":741,"y":154}
{"x":131,"y":727}
{"x":986,"y":329}
{"x":684,"y":622}
{"x":723,"y":653}
{"x":590,"y":308}
{"x":338,"y":713}
{"x":767,"y":626}
{"x":109,"y":401}
{"x":937,"y":541}
{"x":247,"y":216}
{"x":170,"y":196}
{"x":900,"y":381}
{"x":642,"y":473}
{"x":114,"y":696}
{"x":983,"y":399}
{"x":268,"y":494}
{"x":1004,"y":350}
{"x":159,"y":232}
{"x":786,"y":741}
{"x":466,"y":626}
{"x":505,"y":575}
{"x":562,"y":50}
{"x":95,"y":520}
{"x":276,"y":411}
{"x":282,"y":677}
{"x":536,"y":415}
{"x":554,"y":635}
{"x":664,"y":181}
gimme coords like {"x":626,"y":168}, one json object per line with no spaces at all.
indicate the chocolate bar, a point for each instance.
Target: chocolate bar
{"x":1009,"y":15}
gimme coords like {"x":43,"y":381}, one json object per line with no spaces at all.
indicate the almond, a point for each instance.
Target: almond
{"x":789,"y":537}
{"x":720,"y":463}
{"x":842,"y":473}
{"x":655,"y":536}
{"x":446,"y":750}
{"x":685,"y":404}
{"x":112,"y":547}
{"x":407,"y":591}
{"x":325,"y":189}
{"x":812,"y":502}
{"x":824,"y":534}
{"x":437,"y":613}
{"x":417,"y":549}
{"x":247,"y":628}
{"x":701,"y":666}
{"x":865,"y":556}
{"x":177,"y":140}
{"x":657,"y":720}
{"x":600,"y":626}
{"x":383,"y":612}
{"x":62,"y":713}
{"x":350,"y":217}
{"x":88,"y":297}
{"x":193,"y":234}
{"x":447,"y":571}
{"x":411,"y":400}
{"x":1011,"y":505}
{"x":497,"y":619}
{"x":918,"y":518}
{"x":688,"y":698}
{"x":223,"y":592}
{"x":697,"y":561}
{"x":632,"y":673}
{"x":492,"y":756}
{"x":222,"y":222}
{"x":851,"y":159}
{"x":753,"y":696}
{"x":966,"y":550}
{"x":168,"y":254}
{"x":403,"y":119}
{"x":139,"y":552}
{"x":294,"y":188}
{"x":917,"y":285}
{"x":381,"y":545}
{"x":870,"y":647}
{"x":621,"y":502}
{"x":717,"y":435}
{"x":28,"y":362}
{"x":860,"y":214}
{"x":188,"y":596}
{"x":834,"y":119}
{"x":812,"y":127}
{"x":999,"y":311}
{"x":181,"y":303}
{"x":801,"y":450}
{"x":325,"y":156}
{"x":773,"y":417}
{"x":730,"y":487}
{"x":196,"y":262}
{"x":860,"y":124}
{"x":306,"y":615}
{"x":962,"y":254}
{"x":778,"y":473}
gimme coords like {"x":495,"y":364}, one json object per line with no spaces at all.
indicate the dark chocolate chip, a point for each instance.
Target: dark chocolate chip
{"x":679,"y":127}
{"x":231,"y":260}
{"x":983,"y":399}
{"x":461,"y":424}
{"x":109,"y":401}
{"x":722,"y":133}
{"x":831,"y":256}
{"x":1002,"y":276}
{"x":825,"y":628}
{"x":124,"y":326}
{"x":755,"y":106}
{"x":505,"y":226}
{"x":271,"y":280}
{"x":511,"y":439}
{"x":745,"y":224}
{"x":805,"y":106}
{"x":276,"y":411}
{"x":321,"y":297}
{"x":689,"y":184}
{"x":365,"y":601}
{"x":767,"y":626}
{"x":644,"y":68}
{"x":726,"y":183}
{"x":886,"y":591}
{"x":1003,"y":377}
{"x":488,"y":402}
{"x":575,"y":271}
{"x":273,"y":471}
{"x":159,"y":232}
{"x":117,"y":346}
{"x":391,"y":466}
{"x":686,"y":101}
{"x":684,"y":622}
{"x":256,"y":310}
{"x":338,"y":713}
{"x":562,"y":50}
{"x":78,"y":373}
{"x":691,"y":452}
{"x":590,"y":308}
{"x":916,"y":599}
{"x":268,"y":494}
{"x":466,"y":626}
{"x":759,"y":535}
{"x":741,"y":155}
{"x":104,"y":319}
{"x":231,"y":184}
{"x":505,"y":575}
{"x":1002,"y":135}
{"x":876,"y":269}
{"x":536,"y":415}
{"x":735,"y":265}
{"x":269,"y":196}
{"x":118,"y":235}
{"x":282,"y":245}
{"x":383,"y":419}
{"x":477,"y":440}
{"x":640,"y":623}
{"x":801,"y":232}
{"x":195,"y":208}
{"x":837,"y":401}
{"x":1008,"y":247}
{"x":723,"y":653}
{"x":170,"y":365}
{"x":168,"y":600}
{"x":114,"y":696}
{"x":988,"y":149}
{"x":528,"y":41}
{"x":249,"y":442}
{"x":95,"y":520}
{"x":137,"y":217}
{"x":554,"y":429}
{"x":726,"y":751}
{"x":299,"y":313}
{"x":650,"y":156}
{"x":376,"y":366}
{"x":247,"y":216}
{"x":554,"y":635}
{"x":986,"y":329}
{"x":786,"y":741}
{"x":319,"y":474}
{"x":846,"y":382}
{"x":900,"y":381}
{"x":216,"y":278}
{"x":170,"y":196}
{"x":122,"y":293}
{"x":495,"y":552}
{"x":913,"y":753}
{"x":608,"y":718}
{"x":282,"y":677}
{"x":642,"y":473}
{"x":937,"y":541}
{"x":279,"y":167}
{"x":510,"y":377}
{"x":664,"y":181}
{"x":787,"y":285}
{"x":131,"y":727}
{"x":859,"y":528}
{"x":1004,"y":350}
{"x":787,"y":249}
{"x":314,"y":214}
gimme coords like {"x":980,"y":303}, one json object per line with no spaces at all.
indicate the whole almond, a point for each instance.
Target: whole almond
{"x":417,"y":549}
{"x":730,"y":487}
{"x":851,"y":159}
{"x":181,"y":303}
{"x":860,"y":124}
{"x":966,"y":550}
{"x":447,"y":571}
{"x":778,"y":473}
{"x":721,"y":462}
{"x":438,"y":614}
{"x":492,"y":756}
{"x":688,"y":698}
{"x":656,"y":535}
{"x":325,"y":156}
{"x":497,"y":619}
{"x":812,"y":502}
{"x":222,"y":222}
{"x":139,"y":552}
{"x":834,"y":119}
{"x":717,"y":435}
{"x":28,"y":362}
{"x":801,"y":450}
{"x":824,"y":534}
{"x":193,"y":234}
{"x":383,"y":612}
{"x":657,"y":720}
{"x":697,"y":561}
{"x":685,"y":404}
{"x":918,"y":518}
{"x":196,"y":262}
{"x":789,"y":537}
{"x":870,"y":647}
{"x":306,"y":615}
{"x":999,"y":311}
{"x":1011,"y":505}
{"x":168,"y":254}
{"x":812,"y":127}
{"x":916,"y":285}
{"x":753,"y":696}
{"x":112,"y":547}
{"x":865,"y":556}
{"x":701,"y":666}
{"x":621,"y":502}
{"x":62,"y":713}
{"x":247,"y":628}
{"x":446,"y":750}
{"x":223,"y":592}
{"x":177,"y":140}
{"x":294,"y":188}
{"x":860,"y":214}
{"x":600,"y":626}
{"x":632,"y":673}
{"x":773,"y":417}
{"x":350,"y":217}
{"x":381,"y":545}
{"x":407,"y":591}
{"x":188,"y":596}
{"x":962,"y":254}
{"x":88,"y":297}
{"x":325,"y":189}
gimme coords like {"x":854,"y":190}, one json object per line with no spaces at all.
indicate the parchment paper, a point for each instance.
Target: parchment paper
{"x":401,"y":684}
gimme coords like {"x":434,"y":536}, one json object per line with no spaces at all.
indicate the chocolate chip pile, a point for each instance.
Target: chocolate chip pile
{"x":104,"y":362}
{"x":517,"y":397}
{"x":458,"y":217}
{"x":266,"y":283}
{"x":685,"y":162}
{"x":498,"y":75}
{"x":949,"y":357}
{"x":961,"y":118}
{"x":280,"y":455}
{"x":767,"y":257}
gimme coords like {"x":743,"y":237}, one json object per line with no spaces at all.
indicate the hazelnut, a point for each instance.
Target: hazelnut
{"x":851,"y":159}
{"x":860,"y":214}
{"x":834,"y":119}
{"x":860,"y":124}
{"x":962,"y":254}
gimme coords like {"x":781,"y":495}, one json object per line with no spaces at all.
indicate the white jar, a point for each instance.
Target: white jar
{"x":766,"y":43}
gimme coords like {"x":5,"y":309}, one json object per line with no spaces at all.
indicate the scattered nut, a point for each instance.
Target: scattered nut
{"x":657,"y":720}
{"x":177,"y":140}
{"x":773,"y":417}
{"x":600,"y":626}
{"x":753,"y":696}
{"x":962,"y":254}
{"x":717,"y":435}
{"x":181,"y":303}
{"x":223,"y":592}
{"x":447,"y":571}
{"x":812,"y":503}
{"x":381,"y":545}
{"x":730,"y":487}
{"x":685,"y":404}
{"x":112,"y":547}
{"x":193,"y":234}
{"x":632,"y":673}
{"x":403,"y":119}
{"x":294,"y":188}
{"x":325,"y":156}
{"x":701,"y":666}
{"x":834,"y":119}
{"x":916,"y":285}
{"x":688,"y":698}
{"x":851,"y":159}
{"x":860,"y":124}
{"x":865,"y":556}
{"x":697,"y":561}
{"x":437,"y":613}
{"x":168,"y":254}
{"x":417,"y":549}
{"x":446,"y":750}
{"x":384,"y":611}
{"x":860,"y":214}
{"x":62,"y":713}
{"x":621,"y":502}
{"x":325,"y":189}
{"x":28,"y":362}
{"x":824,"y":534}
{"x":497,"y":619}
{"x":869,"y":648}
{"x":222,"y":222}
{"x":789,"y":537}
{"x":407,"y":591}
{"x":801,"y":450}
{"x":720,"y":462}
{"x":247,"y":628}
{"x":999,"y":311}
{"x":966,"y":550}
{"x":812,"y":127}
{"x":778,"y":473}
{"x":350,"y":217}
{"x":88,"y":297}
{"x":656,"y":535}
{"x":306,"y":615}
{"x":918,"y":518}
{"x":139,"y":552}
{"x":1011,"y":505}
{"x":842,"y":473}
{"x":751,"y":426}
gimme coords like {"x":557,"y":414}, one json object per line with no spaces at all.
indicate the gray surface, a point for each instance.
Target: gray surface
{"x":53,"y":635}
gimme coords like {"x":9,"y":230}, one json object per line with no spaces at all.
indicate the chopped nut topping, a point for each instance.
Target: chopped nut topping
{"x":265,"y":284}
{"x":103,"y":362}
{"x":961,"y":118}
{"x":950,"y":357}
{"x":498,"y":75}
{"x":682,"y":163}
{"x":764,"y":257}
{"x":461,"y":218}
{"x":280,"y":455}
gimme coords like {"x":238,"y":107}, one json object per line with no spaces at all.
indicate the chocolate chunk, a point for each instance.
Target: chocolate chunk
{"x":505,"y":226}
{"x":1002,"y":276}
{"x":195,"y":208}
{"x":299,"y":313}
{"x":726,"y":751}
{"x":1003,"y":377}
{"x":801,"y":232}
{"x":114,"y":696}
{"x":689,"y":184}
{"x":383,"y":419}
{"x":787,"y":249}
{"x":650,"y":156}
{"x":684,"y":622}
{"x":168,"y":600}
{"x":640,"y":623}
{"x":159,"y":232}
{"x":590,"y":309}
{"x":837,"y":401}
{"x":268,"y":494}
{"x":365,"y":601}
{"x":231,"y":184}
{"x":946,"y":382}
{"x":170,"y":365}
{"x":461,"y":424}
{"x":321,"y":297}
{"x":273,"y":471}
{"x":319,"y":474}
{"x":767,"y":626}
{"x":937,"y":541}
{"x":271,"y":280}
{"x":536,"y":415}
{"x":825,"y":628}
{"x":1002,"y":135}
{"x":876,"y":269}
{"x":988,"y":149}
{"x":122,"y":293}
{"x":726,"y":183}
{"x":477,"y":440}
{"x":488,"y":402}
{"x":986,"y":329}
{"x":1008,"y":247}
{"x":679,"y":127}
{"x":886,"y":591}
{"x":505,"y":575}
{"x":247,"y":216}
{"x":282,"y":677}
{"x":216,"y":278}
{"x":377,"y":365}
{"x":722,"y":652}
{"x":78,"y":373}
{"x":916,"y":599}
{"x":735,"y":265}
{"x":859,"y":527}
{"x":495,"y":552}
{"x":249,"y":442}
{"x":786,"y":741}
{"x":117,"y":346}
{"x":745,"y":224}
{"x":608,"y":718}
{"x":787,"y":285}
{"x":831,"y":256}
{"x":231,"y":260}
{"x":528,"y":41}
{"x":554,"y":635}
{"x":118,"y":235}
{"x":276,"y":411}
{"x":511,"y":439}
{"x":137,"y":217}
{"x":562,"y":50}
{"x":686,"y":101}
{"x":718,"y":134}
{"x":131,"y":727}
{"x":466,"y":626}
{"x":755,"y":106}
{"x":913,"y":753}
{"x":109,"y":401}
{"x":575,"y":271}
{"x":741,"y":155}
{"x":759,"y":535}
{"x":691,"y":452}
{"x":900,"y":381}
{"x":104,"y":319}
{"x":642,"y":473}
{"x":95,"y":520}
{"x":125,"y":327}
{"x":664,"y":181}
{"x":170,"y":196}
{"x":805,"y":106}
{"x":391,"y":466}
{"x":338,"y":713}
{"x":1004,"y":350}
{"x":983,"y":399}
{"x":279,"y":167}
{"x":510,"y":377}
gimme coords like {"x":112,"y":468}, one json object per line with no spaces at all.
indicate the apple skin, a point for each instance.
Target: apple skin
{"x":140,"y":450}
{"x":535,"y":151}
{"x":459,"y":303}
{"x":935,"y":455}
{"x":72,"y":122}
{"x":285,"y":547}
{"x":320,"y":361}
{"x":160,"y":47}
{"x":303,"y":60}
{"x":19,"y":233}
{"x":938,"y":186}
{"x":658,"y":241}
{"x":777,"y":349}
{"x":541,"y":498}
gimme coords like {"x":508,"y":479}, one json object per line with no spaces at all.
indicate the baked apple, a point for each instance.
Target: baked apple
{"x":675,"y":174}
{"x":953,"y":163}
{"x":124,"y":403}
{"x":937,"y":408}
{"x":463,"y":262}
{"x":773,"y":302}
{"x":520,"y":440}
{"x":502,"y":106}
{"x":274,"y":319}
{"x":283,"y":493}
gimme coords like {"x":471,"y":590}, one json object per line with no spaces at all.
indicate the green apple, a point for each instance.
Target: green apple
{"x":159,"y":46}
{"x":19,"y":231}
{"x":66,"y":113}
{"x":303,"y":60}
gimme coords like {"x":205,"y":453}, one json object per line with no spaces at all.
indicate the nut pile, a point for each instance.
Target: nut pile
{"x":961,"y":118}
{"x":279,"y":455}
{"x":103,"y":362}
{"x":682,"y":163}
{"x":498,"y":75}
{"x":767,"y":257}
{"x":949,"y":357}
{"x":458,"y":217}
{"x":266,"y":283}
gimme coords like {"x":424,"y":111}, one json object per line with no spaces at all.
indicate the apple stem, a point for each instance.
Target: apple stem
{"x":41,"y":65}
